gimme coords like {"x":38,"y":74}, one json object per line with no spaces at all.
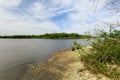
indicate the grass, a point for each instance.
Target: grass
{"x":104,"y":58}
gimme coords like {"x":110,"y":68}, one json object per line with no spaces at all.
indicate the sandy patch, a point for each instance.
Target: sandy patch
{"x":63,"y":65}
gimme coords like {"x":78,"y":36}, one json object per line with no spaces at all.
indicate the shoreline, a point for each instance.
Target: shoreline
{"x":64,"y":64}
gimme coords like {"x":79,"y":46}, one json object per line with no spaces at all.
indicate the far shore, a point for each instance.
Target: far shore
{"x":49,"y":36}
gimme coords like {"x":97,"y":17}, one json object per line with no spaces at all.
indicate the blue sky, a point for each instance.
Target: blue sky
{"x":48,"y":16}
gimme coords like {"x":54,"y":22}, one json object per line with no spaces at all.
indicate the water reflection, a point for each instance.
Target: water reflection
{"x":16,"y":53}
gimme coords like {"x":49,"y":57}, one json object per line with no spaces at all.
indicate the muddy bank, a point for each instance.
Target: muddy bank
{"x":63,"y":65}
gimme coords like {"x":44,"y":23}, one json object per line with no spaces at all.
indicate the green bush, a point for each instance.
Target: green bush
{"x":77,"y":46}
{"x":104,"y":53}
{"x":104,"y":57}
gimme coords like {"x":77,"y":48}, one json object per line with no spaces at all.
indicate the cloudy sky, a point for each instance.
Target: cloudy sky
{"x":47,"y":16}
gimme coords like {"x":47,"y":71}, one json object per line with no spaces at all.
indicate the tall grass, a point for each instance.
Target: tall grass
{"x":104,"y":56}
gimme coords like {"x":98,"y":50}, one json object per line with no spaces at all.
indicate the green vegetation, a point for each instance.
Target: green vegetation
{"x":112,"y":33}
{"x":77,"y":46}
{"x":51,"y":36}
{"x":104,"y":56}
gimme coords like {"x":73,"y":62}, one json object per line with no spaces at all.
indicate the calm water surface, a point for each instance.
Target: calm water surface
{"x":15,"y":54}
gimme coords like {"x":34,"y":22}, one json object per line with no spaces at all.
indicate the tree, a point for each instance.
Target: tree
{"x":113,"y":5}
{"x":109,"y":4}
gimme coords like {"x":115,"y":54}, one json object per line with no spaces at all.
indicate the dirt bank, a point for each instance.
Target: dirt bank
{"x":63,"y":65}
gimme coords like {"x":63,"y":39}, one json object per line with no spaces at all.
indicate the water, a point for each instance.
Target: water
{"x":15,"y":54}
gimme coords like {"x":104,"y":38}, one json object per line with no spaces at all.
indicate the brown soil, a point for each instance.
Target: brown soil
{"x":63,"y":65}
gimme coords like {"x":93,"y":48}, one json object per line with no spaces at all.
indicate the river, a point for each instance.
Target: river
{"x":15,"y":54}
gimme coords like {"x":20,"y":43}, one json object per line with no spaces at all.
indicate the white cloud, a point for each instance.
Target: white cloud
{"x":85,"y":11}
{"x":17,"y":24}
{"x":79,"y":12}
{"x":66,"y":3}
{"x":113,"y":20}
{"x":44,"y":10}
{"x":9,"y":3}
{"x":80,"y":28}
{"x":28,"y":27}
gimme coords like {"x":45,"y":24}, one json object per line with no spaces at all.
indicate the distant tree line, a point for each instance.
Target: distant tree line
{"x":51,"y":36}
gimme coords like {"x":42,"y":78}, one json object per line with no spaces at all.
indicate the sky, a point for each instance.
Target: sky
{"x":27,"y":17}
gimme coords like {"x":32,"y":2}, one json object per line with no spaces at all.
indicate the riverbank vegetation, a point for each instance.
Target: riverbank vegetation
{"x":104,"y":56}
{"x":102,"y":59}
{"x":52,"y":36}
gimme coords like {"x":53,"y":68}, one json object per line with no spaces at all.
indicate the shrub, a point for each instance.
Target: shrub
{"x":77,"y":46}
{"x":104,"y":57}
